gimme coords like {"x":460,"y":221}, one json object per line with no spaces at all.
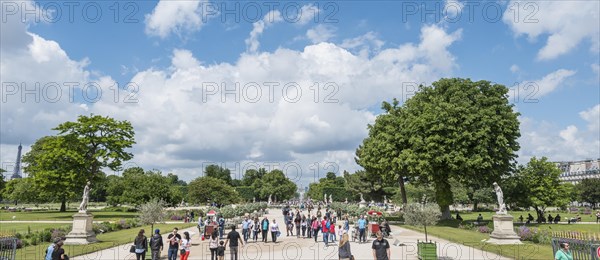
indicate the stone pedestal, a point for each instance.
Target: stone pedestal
{"x":362,"y":204}
{"x":504,"y":232}
{"x":82,"y":232}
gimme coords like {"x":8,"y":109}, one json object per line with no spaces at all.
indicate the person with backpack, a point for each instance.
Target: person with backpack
{"x":325,"y":225}
{"x":156,"y":245}
{"x":141,"y":245}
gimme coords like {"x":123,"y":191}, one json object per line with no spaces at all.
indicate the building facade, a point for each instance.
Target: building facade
{"x":575,"y":171}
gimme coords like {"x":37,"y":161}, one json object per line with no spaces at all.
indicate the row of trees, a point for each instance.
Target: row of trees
{"x":59,"y":166}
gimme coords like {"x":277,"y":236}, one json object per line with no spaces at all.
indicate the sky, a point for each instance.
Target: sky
{"x":289,"y":85}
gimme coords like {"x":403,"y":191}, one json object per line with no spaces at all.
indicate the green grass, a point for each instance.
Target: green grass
{"x":516,"y":214}
{"x":448,"y":229}
{"x":473,"y":239}
{"x":108,"y":240}
{"x":33,"y":227}
{"x":55,"y":215}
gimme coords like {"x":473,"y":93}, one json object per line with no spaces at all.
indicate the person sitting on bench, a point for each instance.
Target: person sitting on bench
{"x":557,"y":219}
{"x":550,"y":219}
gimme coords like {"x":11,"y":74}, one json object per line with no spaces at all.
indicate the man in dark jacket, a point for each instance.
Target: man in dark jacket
{"x":264,"y":226}
{"x":156,"y":244}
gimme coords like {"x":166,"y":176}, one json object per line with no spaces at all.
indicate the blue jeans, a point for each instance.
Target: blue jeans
{"x":221,"y":232}
{"x":362,"y":237}
{"x":173,"y":253}
{"x":325,"y":237}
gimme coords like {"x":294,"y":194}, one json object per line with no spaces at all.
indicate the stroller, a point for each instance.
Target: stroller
{"x":354,"y":233}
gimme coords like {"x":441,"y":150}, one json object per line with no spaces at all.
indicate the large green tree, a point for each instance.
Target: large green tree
{"x":458,"y":129}
{"x":21,"y":191}
{"x":2,"y":182}
{"x":137,"y":187}
{"x":589,"y":191}
{"x":209,"y":189}
{"x":57,"y":168}
{"x":60,"y":165}
{"x":536,"y":185}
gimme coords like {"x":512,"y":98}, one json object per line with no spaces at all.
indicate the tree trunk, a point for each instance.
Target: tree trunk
{"x":444,"y":198}
{"x":403,"y":191}
{"x":474,"y":206}
{"x":425,"y":226}
{"x":63,"y":205}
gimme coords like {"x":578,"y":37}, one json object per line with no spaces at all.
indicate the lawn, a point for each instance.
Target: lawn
{"x":33,"y":227}
{"x":473,"y":239}
{"x":516,"y":214}
{"x":109,"y":240}
{"x":449,"y":230}
{"x":55,"y":215}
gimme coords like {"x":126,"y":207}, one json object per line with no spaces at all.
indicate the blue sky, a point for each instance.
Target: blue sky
{"x":368,"y":48}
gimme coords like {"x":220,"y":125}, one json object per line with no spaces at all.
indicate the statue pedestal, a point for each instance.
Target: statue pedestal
{"x":362,"y":204}
{"x":82,"y":232}
{"x":504,"y":232}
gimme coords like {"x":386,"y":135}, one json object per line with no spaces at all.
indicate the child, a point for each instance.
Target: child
{"x":341,"y":231}
{"x":332,"y":232}
{"x":221,"y":251}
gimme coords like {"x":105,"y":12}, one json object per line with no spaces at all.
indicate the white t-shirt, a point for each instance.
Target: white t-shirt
{"x":274,"y":227}
{"x":185,"y":244}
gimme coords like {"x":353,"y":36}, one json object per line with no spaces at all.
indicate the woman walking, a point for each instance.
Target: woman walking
{"x":59,"y":251}
{"x":186,"y":243}
{"x":213,"y":244}
{"x":303,"y":224}
{"x":315,"y":228}
{"x":274,"y":230}
{"x":141,"y":245}
{"x":344,"y":250}
{"x":256,"y":229}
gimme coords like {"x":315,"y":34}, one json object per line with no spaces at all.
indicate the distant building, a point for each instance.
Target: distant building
{"x":17,"y":170}
{"x":575,"y":171}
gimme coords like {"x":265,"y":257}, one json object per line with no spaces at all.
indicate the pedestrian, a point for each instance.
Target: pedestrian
{"x":156,"y":245}
{"x":221,"y":251}
{"x":186,"y":243}
{"x":192,"y":216}
{"x":213,"y":244}
{"x":51,"y":247}
{"x":141,"y":245}
{"x":174,"y":240}
{"x":309,"y":228}
{"x":346,"y":224}
{"x":256,"y":229}
{"x":265,"y":228}
{"x":274,"y":231}
{"x":200,"y":227}
{"x":563,"y":253}
{"x":303,"y":224}
{"x":332,"y":232}
{"x":315,"y":228}
{"x":297,"y":222}
{"x":381,"y":248}
{"x":246,"y":228}
{"x":344,"y":252}
{"x":221,"y":226}
{"x":362,"y":225}
{"x":234,"y":237}
{"x":340,"y":231}
{"x":325,"y":225}
{"x":59,"y":252}
{"x":597,"y":216}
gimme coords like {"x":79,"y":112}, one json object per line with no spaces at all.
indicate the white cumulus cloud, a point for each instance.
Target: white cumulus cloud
{"x":173,"y":16}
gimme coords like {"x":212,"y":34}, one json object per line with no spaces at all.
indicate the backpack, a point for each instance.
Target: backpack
{"x":155,"y":242}
{"x":328,"y":224}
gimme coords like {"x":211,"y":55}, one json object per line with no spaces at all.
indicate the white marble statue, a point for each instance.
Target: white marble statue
{"x":330,"y":199}
{"x":85,"y":199}
{"x":325,"y":197}
{"x":500,"y":195}
{"x":361,"y":198}
{"x":384,"y":199}
{"x":270,"y":201}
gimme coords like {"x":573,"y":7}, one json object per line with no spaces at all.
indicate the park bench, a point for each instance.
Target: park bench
{"x":587,"y":211}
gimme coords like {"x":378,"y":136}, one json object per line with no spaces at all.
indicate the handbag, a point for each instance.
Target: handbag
{"x":132,"y":249}
{"x":351,"y":257}
{"x":182,"y":251}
